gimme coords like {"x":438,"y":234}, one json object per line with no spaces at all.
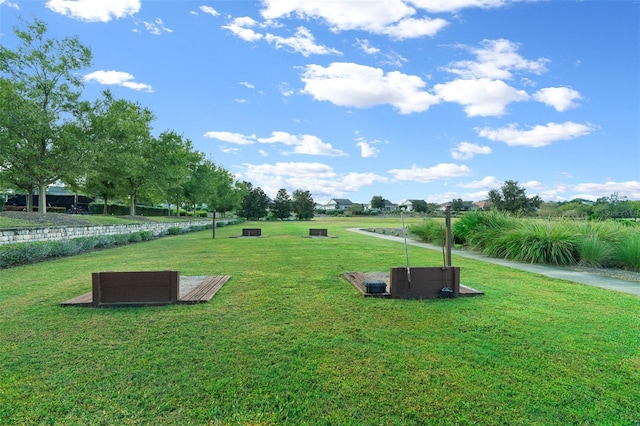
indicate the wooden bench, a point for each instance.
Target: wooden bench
{"x":251,"y":232}
{"x":318,"y":232}
{"x":205,"y":290}
{"x":135,"y":288}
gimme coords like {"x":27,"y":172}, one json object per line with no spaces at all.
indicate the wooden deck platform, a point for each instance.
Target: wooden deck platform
{"x":358,"y":278}
{"x":202,"y":293}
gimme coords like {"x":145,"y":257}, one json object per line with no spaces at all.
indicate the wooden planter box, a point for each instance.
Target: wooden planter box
{"x":426,"y":282}
{"x":135,"y":288}
{"x":318,"y":232}
{"x":251,"y":232}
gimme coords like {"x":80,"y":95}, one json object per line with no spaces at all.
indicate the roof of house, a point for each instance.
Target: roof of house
{"x":341,"y":201}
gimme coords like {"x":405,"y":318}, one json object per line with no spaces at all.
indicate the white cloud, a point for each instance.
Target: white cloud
{"x":534,"y":185}
{"x":247,"y":85}
{"x":235,"y":138}
{"x":430,"y":174}
{"x":303,"y":144}
{"x":242,"y":27}
{"x":487,"y":182}
{"x":94,"y":11}
{"x":466,"y":151}
{"x":366,"y":47}
{"x":285,"y":90}
{"x":117,"y":78}
{"x":481,"y":97}
{"x":209,"y":10}
{"x":263,"y":153}
{"x":536,"y":136}
{"x":353,"y":85}
{"x":414,"y":28}
{"x":320,"y":179}
{"x":561,"y":98}
{"x":229,"y":149}
{"x":157,"y":27}
{"x":302,"y":42}
{"x":439,"y":6}
{"x":496,"y":59}
{"x":10,"y":4}
{"x":367,"y":150}
{"x":629,"y":189}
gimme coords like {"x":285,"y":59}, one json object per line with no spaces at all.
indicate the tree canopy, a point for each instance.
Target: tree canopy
{"x":303,"y":204}
{"x":513,"y":198}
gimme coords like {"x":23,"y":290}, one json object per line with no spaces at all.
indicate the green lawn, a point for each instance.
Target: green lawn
{"x":288,"y":341}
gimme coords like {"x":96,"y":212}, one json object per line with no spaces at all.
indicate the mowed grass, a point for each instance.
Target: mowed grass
{"x":288,"y":341}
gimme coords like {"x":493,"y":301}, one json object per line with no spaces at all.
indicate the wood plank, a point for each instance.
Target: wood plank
{"x":205,"y":290}
{"x":82,"y":300}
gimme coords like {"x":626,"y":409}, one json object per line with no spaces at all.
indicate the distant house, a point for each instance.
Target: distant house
{"x":466,"y":206}
{"x":483,"y":205}
{"x":338,"y":204}
{"x":410,"y":204}
{"x":388,"y":206}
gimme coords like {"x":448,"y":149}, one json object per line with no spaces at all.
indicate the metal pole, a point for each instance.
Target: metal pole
{"x":406,"y":250}
{"x":448,"y":237}
{"x":214,"y":224}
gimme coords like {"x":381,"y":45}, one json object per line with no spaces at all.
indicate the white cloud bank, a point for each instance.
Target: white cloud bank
{"x":560,"y":98}
{"x":353,"y":85}
{"x":302,"y":144}
{"x":117,"y":78}
{"x":536,"y":136}
{"x":95,"y":11}
{"x":430,"y":174}
{"x":466,"y":151}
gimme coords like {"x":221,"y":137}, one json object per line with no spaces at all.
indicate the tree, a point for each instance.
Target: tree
{"x":377,"y":202}
{"x":254,"y":203}
{"x":303,"y":204}
{"x":513,"y":198}
{"x":42,"y":136}
{"x":282,"y":205}
{"x":419,"y":206}
{"x":457,"y":204}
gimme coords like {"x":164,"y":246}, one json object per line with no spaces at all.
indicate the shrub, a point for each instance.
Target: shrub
{"x":64,"y":248}
{"x":594,"y":252}
{"x":535,"y":242}
{"x":429,"y":230}
{"x":627,"y":252}
{"x":174,"y":230}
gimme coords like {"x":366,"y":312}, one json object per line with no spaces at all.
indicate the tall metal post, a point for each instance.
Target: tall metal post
{"x":214,"y":224}
{"x":448,"y":235}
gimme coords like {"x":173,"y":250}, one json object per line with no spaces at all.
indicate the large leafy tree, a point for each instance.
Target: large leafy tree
{"x":254,"y":203}
{"x":419,"y":206}
{"x":282,"y":205}
{"x":303,"y":204}
{"x":513,"y":199}
{"x":377,"y":202}
{"x":42,"y":139}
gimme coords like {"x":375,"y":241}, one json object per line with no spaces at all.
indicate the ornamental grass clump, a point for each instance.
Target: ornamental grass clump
{"x":429,"y":231}
{"x":627,"y":252}
{"x":594,"y":252}
{"x":478,"y":229}
{"x":535,"y":241}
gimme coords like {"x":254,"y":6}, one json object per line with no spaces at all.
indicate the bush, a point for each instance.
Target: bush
{"x":627,"y":252}
{"x":430,"y":230}
{"x":174,"y":230}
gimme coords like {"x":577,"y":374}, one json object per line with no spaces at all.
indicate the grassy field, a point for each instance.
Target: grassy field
{"x":288,"y":341}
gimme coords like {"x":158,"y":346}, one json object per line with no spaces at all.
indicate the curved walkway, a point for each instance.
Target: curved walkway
{"x":587,"y":278}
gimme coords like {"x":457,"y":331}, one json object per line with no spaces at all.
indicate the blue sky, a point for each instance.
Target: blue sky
{"x":420,"y":99}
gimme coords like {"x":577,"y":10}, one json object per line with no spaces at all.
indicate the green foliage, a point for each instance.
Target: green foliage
{"x":513,"y":199}
{"x":594,"y":252}
{"x":282,"y":205}
{"x":174,"y":230}
{"x":254,"y":203}
{"x":535,"y":242}
{"x":430,"y":231}
{"x":41,"y":114}
{"x":303,"y":204}
{"x":377,"y":202}
{"x":627,"y":252}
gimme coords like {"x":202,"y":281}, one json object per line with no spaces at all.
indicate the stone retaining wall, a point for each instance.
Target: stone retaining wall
{"x":23,"y":235}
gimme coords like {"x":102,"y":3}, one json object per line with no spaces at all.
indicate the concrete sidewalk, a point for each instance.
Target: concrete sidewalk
{"x":595,"y":280}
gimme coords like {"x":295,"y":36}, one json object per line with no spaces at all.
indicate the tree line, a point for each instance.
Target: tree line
{"x":104,"y":148}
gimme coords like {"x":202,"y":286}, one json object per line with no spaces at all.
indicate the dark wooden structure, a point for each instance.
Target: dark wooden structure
{"x":426,"y":282}
{"x":318,"y":232}
{"x":251,"y":232}
{"x":128,"y":287}
{"x":135,"y":288}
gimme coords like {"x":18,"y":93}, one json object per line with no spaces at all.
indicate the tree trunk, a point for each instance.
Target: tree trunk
{"x":30,"y":200}
{"x":132,"y":206}
{"x":42,"y":199}
{"x":105,"y":210}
